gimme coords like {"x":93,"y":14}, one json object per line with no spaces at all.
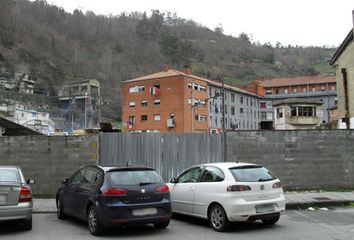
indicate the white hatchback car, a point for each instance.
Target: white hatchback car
{"x":228,"y":192}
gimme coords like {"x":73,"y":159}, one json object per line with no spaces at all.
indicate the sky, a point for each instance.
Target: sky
{"x":295,"y":22}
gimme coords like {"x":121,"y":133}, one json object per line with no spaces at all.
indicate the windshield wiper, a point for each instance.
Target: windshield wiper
{"x":264,"y":180}
{"x":145,"y":183}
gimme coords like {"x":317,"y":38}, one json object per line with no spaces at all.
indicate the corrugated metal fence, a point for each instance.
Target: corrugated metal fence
{"x":169,"y":154}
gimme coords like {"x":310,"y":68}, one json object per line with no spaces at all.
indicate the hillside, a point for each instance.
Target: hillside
{"x":54,"y":46}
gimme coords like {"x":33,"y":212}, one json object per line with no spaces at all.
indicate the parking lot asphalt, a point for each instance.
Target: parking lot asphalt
{"x":294,"y":200}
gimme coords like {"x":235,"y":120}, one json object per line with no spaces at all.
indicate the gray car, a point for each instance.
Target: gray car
{"x":15,"y":197}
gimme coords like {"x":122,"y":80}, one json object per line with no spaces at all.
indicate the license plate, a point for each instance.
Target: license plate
{"x":265,"y":208}
{"x":2,"y":198}
{"x":144,"y":212}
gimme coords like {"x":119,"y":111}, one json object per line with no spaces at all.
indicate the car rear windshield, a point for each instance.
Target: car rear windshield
{"x":9,"y":175}
{"x":134,"y":177}
{"x":252,"y":174}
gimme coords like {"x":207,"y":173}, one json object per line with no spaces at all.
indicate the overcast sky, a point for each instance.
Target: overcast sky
{"x":295,"y":22}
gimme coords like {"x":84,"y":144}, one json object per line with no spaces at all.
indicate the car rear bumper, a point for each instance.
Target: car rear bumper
{"x":122,"y":214}
{"x":247,"y":211}
{"x":19,"y":211}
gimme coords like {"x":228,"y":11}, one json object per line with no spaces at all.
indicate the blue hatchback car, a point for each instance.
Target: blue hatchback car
{"x":113,"y":196}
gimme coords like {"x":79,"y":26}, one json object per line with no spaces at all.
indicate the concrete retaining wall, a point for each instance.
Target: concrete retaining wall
{"x":301,"y":159}
{"x":48,"y":160}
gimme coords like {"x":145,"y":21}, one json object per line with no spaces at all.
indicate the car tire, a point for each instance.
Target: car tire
{"x":161,"y":225}
{"x":270,"y":221}
{"x":93,"y":222}
{"x":218,"y":219}
{"x":27,"y":224}
{"x":60,"y":209}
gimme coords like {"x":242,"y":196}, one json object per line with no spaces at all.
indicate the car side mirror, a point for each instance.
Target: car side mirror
{"x":30,"y":181}
{"x":173,"y":180}
{"x":65,"y":181}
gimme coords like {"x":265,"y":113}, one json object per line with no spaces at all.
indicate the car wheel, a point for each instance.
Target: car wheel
{"x":270,"y":221}
{"x":27,"y":224}
{"x":218,"y":219}
{"x":60,"y":209}
{"x":93,"y":222}
{"x":161,"y":225}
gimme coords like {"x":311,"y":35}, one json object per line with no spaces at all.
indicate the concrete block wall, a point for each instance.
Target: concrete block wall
{"x":305,"y":159}
{"x":48,"y":160}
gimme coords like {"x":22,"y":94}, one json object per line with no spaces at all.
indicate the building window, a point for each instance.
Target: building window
{"x":268,"y":91}
{"x":263,"y":105}
{"x":241,"y":110}
{"x":144,"y":103}
{"x":157,"y":117}
{"x":131,"y":104}
{"x":263,"y":115}
{"x":295,"y":90}
{"x":232,"y":110}
{"x":306,"y":111}
{"x":241,"y":100}
{"x":304,"y":89}
{"x":200,"y":118}
{"x":157,"y":102}
{"x":232,"y":97}
{"x":293,"y":111}
{"x":286,"y":91}
{"x":279,"y":112}
{"x":203,"y":89}
{"x":333,"y":88}
{"x":132,"y":119}
{"x":157,"y":85}
{"x":300,"y":111}
{"x":144,"y":117}
{"x":136,"y":89}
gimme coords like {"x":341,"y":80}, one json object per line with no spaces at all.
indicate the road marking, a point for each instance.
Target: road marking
{"x":323,"y":224}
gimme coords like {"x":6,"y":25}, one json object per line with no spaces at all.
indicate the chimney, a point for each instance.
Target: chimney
{"x":165,"y":68}
{"x":187,"y":71}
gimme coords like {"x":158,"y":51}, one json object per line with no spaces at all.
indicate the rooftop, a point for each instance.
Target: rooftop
{"x":303,"y":80}
{"x":173,"y":73}
{"x":292,"y":101}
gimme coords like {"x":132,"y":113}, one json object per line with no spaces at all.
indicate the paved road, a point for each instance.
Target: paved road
{"x":333,"y":224}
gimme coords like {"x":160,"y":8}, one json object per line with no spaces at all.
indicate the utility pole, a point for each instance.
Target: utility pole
{"x":71,"y":99}
{"x":192,"y":108}
{"x":224,"y":143}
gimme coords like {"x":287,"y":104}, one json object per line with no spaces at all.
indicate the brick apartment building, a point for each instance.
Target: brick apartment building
{"x":179,"y":102}
{"x":161,"y":102}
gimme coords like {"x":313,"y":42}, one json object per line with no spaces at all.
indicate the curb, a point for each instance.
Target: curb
{"x":305,"y":205}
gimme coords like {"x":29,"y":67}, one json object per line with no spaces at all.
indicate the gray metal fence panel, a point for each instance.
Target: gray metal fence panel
{"x":169,"y":154}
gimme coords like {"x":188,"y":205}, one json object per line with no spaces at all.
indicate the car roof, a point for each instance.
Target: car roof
{"x":8,"y":167}
{"x":117,"y":168}
{"x":229,"y":164}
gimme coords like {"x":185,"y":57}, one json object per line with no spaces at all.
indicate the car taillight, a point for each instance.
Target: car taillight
{"x":277,"y":185}
{"x":114,"y":192}
{"x":238,"y":188}
{"x":162,"y":189}
{"x":25,"y":195}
